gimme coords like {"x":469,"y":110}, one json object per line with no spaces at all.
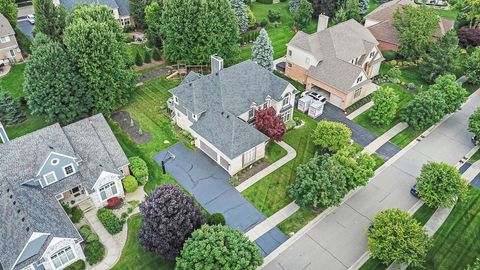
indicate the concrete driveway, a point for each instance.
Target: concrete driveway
{"x":339,"y":239}
{"x":208,"y":183}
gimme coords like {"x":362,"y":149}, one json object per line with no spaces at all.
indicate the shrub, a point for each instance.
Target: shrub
{"x":148,"y":57}
{"x":290,"y":124}
{"x":264,"y":23}
{"x":78,"y":265}
{"x":77,"y":214}
{"x":393,"y":62}
{"x":110,"y":221}
{"x":156,"y":55}
{"x":85,"y":231}
{"x":138,"y":59}
{"x":331,"y":136}
{"x":216,"y":219}
{"x":389,"y":55}
{"x":265,"y":1}
{"x":273,"y":15}
{"x":139,"y":169}
{"x":113,"y":202}
{"x":411,"y":86}
{"x":130,"y":184}
{"x":94,"y":252}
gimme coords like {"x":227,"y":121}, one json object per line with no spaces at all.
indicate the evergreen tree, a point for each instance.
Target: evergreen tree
{"x":52,"y":85}
{"x":138,"y":59}
{"x":10,"y":109}
{"x":303,"y":15}
{"x":340,"y":16}
{"x":441,"y":57}
{"x":156,"y":55}
{"x":94,"y":40}
{"x":240,"y":10}
{"x":352,"y":8}
{"x":49,"y":19}
{"x":148,"y":57}
{"x":153,"y":19}
{"x":9,"y":9}
{"x":364,"y":5}
{"x":293,"y":5}
{"x":262,"y":50}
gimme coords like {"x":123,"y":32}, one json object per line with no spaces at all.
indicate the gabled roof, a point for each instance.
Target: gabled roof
{"x":5,"y":27}
{"x":26,"y":205}
{"x":232,"y":89}
{"x":122,"y":5}
{"x":228,"y":133}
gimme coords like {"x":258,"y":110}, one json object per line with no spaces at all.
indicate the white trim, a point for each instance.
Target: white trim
{"x":25,"y":246}
{"x":59,"y":196}
{"x":56,"y":161}
{"x":45,"y":162}
{"x":108,"y":197}
{"x":54,"y":175}
{"x":65,"y":172}
{"x":67,"y":264}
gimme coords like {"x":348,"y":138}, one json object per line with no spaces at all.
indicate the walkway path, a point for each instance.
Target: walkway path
{"x":291,"y":154}
{"x":272,"y":221}
{"x":378,"y":142}
{"x":336,"y":239}
{"x":360,"y":110}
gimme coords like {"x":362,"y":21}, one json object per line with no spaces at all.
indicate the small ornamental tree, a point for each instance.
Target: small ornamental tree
{"x":251,"y":18}
{"x":156,"y":55}
{"x":424,"y":110}
{"x":332,"y":136}
{"x":148,"y":57}
{"x":303,"y":14}
{"x":396,"y":237}
{"x":269,"y":123}
{"x":139,"y":169}
{"x":138,"y":59}
{"x":453,"y":94}
{"x":364,"y":5}
{"x":240,"y":10}
{"x":472,"y":66}
{"x":440,"y":185}
{"x":219,"y":247}
{"x":169,"y":218}
{"x":10,"y":109}
{"x":319,"y":182}
{"x":385,"y":106}
{"x":469,"y":36}
{"x":474,"y":123}
{"x":262,"y":51}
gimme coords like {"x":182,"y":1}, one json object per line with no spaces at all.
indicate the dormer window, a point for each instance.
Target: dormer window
{"x":54,"y":161}
{"x":50,"y":178}
{"x":69,"y":170}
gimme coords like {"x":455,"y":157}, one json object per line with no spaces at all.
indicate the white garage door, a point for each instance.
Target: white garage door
{"x":209,"y":151}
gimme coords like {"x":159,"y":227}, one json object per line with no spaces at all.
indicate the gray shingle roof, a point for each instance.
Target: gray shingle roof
{"x":123,"y":7}
{"x":5,"y":27}
{"x":29,"y":206}
{"x":228,"y":133}
{"x":70,"y":3}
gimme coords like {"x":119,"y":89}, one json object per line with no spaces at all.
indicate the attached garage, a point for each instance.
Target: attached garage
{"x":208,"y":150}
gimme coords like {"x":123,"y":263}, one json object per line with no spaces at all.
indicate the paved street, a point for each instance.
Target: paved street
{"x":338,"y":240}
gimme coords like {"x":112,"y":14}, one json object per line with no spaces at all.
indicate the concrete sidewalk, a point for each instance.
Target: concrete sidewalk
{"x":360,"y":110}
{"x":378,"y":142}
{"x":291,"y":154}
{"x":272,"y":221}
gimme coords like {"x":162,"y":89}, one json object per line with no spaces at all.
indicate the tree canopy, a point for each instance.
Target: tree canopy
{"x":49,"y":19}
{"x":219,"y":247}
{"x":396,"y":237}
{"x":9,"y":9}
{"x":240,"y":10}
{"x":385,"y":106}
{"x":269,"y":123}
{"x":332,"y":136}
{"x":327,"y":7}
{"x":262,"y":50}
{"x":138,"y":11}
{"x":474,"y":123}
{"x":303,"y":14}
{"x":453,"y":93}
{"x":10,"y":109}
{"x":472,"y":66}
{"x":357,"y":167}
{"x":169,"y":218}
{"x":153,"y":19}
{"x":424,"y":110}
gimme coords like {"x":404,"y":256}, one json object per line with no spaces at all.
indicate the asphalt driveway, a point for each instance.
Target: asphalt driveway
{"x":208,"y":183}
{"x":26,"y":27}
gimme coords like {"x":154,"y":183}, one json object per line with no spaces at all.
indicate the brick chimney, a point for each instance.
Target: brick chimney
{"x":216,"y":63}
{"x":3,"y":134}
{"x":322,"y":22}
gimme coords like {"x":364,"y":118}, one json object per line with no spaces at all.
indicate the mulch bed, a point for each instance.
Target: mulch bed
{"x":248,"y":172}
{"x":164,"y":71}
{"x":125,"y":121}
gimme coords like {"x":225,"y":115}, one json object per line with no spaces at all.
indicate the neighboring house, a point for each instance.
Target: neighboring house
{"x":219,"y":110}
{"x":120,"y":8}
{"x":9,"y":50}
{"x":380,"y":23}
{"x":81,"y":163}
{"x":336,"y":62}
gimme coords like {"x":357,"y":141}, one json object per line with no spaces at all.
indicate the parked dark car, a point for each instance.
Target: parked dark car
{"x":414,"y":191}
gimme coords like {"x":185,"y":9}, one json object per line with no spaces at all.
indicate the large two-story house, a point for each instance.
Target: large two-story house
{"x":79,"y":163}
{"x":336,"y":62}
{"x":9,"y":50}
{"x":120,"y":8}
{"x":218,"y":109}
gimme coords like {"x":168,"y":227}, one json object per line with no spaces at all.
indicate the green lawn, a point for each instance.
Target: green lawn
{"x":280,"y":34}
{"x":372,"y":5}
{"x":409,"y":74}
{"x":133,"y":256}
{"x":13,"y":81}
{"x":364,"y":119}
{"x":274,"y":152}
{"x":450,"y":14}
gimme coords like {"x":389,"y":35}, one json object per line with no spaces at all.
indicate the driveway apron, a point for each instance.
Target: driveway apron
{"x":208,"y":183}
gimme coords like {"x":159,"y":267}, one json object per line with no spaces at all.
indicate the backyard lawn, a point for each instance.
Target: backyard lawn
{"x":13,"y":81}
{"x":134,"y":257}
{"x":274,"y":152}
{"x":280,"y":34}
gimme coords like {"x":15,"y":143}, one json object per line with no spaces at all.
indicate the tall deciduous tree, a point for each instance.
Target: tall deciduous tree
{"x":262,"y":51}
{"x":303,"y":14}
{"x":424,"y":110}
{"x":169,"y":219}
{"x":53,"y":87}
{"x":49,"y":19}
{"x":396,"y":237}
{"x":319,"y":182}
{"x":153,"y":19}
{"x":416,"y":27}
{"x":9,"y":9}
{"x":474,"y":123}
{"x":453,"y":94}
{"x":10,"y":109}
{"x":385,"y":106}
{"x":94,"y":40}
{"x":472,"y":12}
{"x":240,"y":10}
{"x":219,"y":247}
{"x":137,"y":9}
{"x":364,"y":5}
{"x":357,"y":167}
{"x":270,"y":124}
{"x":440,"y":185}
{"x":332,"y":136}
{"x":472,"y":66}
{"x":441,"y":57}
{"x":207,"y":27}
{"x":327,"y":7}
